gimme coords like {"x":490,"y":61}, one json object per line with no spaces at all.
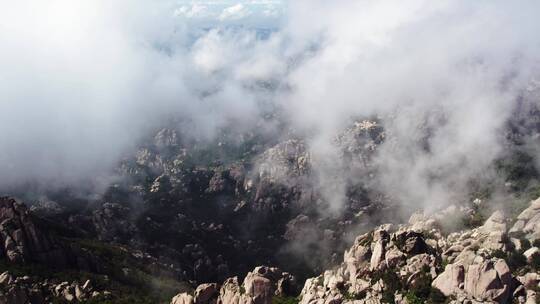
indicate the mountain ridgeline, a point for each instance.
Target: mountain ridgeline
{"x":190,"y":221}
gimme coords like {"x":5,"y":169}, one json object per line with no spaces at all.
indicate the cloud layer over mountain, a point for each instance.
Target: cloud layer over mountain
{"x":82,"y":81}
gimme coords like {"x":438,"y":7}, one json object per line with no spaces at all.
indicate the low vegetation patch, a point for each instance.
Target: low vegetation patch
{"x":284,"y":300}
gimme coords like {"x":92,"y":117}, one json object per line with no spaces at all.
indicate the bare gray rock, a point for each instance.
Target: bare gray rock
{"x":451,"y":280}
{"x":183,"y":298}
{"x":22,"y":241}
{"x":530,"y":253}
{"x":377,"y":257}
{"x":528,"y":221}
{"x":206,"y":293}
{"x":489,"y":281}
{"x":27,"y":290}
{"x":259,"y":287}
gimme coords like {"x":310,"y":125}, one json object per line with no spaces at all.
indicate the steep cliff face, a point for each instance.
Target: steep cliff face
{"x":43,"y":263}
{"x":21,"y":241}
{"x":218,"y":209}
{"x":23,"y":290}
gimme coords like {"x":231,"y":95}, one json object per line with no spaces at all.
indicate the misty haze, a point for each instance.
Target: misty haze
{"x":269,"y":151}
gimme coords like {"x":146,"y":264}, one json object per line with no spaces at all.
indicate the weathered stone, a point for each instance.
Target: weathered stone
{"x":450,"y":280}
{"x":528,"y":221}
{"x":530,"y":253}
{"x":377,"y":257}
{"x":183,"y":298}
{"x":529,"y":280}
{"x":230,"y":292}
{"x":312,"y":291}
{"x":5,"y":278}
{"x":484,"y":282}
{"x":206,"y":294}
{"x":21,"y":240}
{"x":393,"y":257}
{"x":496,"y":222}
{"x":259,"y":288}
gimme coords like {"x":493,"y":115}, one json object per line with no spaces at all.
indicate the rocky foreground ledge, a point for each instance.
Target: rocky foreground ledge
{"x":40,"y":264}
{"x":23,"y":243}
{"x":262,"y":285}
{"x":25,"y":289}
{"x":498,"y":262}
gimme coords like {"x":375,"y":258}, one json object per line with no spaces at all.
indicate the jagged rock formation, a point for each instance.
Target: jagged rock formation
{"x":386,"y":264}
{"x":40,"y":256}
{"x":24,"y":290}
{"x":414,"y":255}
{"x":203,"y":212}
{"x":259,"y":287}
{"x":285,"y":160}
{"x":228,"y":206}
{"x":412,"y":263}
{"x":20,"y":239}
{"x":528,"y":222}
{"x":111,"y":223}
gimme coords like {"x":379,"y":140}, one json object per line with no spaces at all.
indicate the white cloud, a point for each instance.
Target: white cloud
{"x":76,"y":95}
{"x":235,"y":12}
{"x":271,"y":10}
{"x":192,"y":11}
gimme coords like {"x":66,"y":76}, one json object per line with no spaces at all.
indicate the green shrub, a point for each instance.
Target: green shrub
{"x":367,"y":240}
{"x":353,"y":296}
{"x":516,"y":260}
{"x":436,"y":296}
{"x":525,"y":244}
{"x":444,"y":263}
{"x":513,"y":258}
{"x":413,"y":299}
{"x":284,"y":300}
{"x":498,"y":254}
{"x":477,"y":219}
{"x":535,"y":262}
{"x":423,"y":292}
{"x":129,"y":299}
{"x":392,"y":283}
{"x":388,"y":296}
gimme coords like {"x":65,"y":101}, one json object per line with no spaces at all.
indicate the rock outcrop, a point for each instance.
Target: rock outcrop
{"x":410,"y":263}
{"x":528,"y":221}
{"x":24,"y":290}
{"x":259,"y":287}
{"x":451,"y":280}
{"x":22,"y":241}
{"x":416,"y":261}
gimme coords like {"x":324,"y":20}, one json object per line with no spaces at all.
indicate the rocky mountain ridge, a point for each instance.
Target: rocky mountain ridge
{"x":182,"y":213}
{"x":498,"y":262}
{"x":42,"y":265}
